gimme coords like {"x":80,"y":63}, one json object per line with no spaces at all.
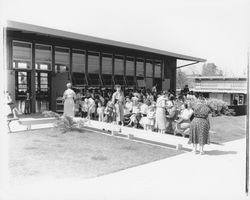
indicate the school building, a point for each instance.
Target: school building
{"x":41,"y":60}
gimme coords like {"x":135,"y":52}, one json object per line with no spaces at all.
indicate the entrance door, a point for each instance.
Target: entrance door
{"x":22,"y":86}
{"x":42,"y":91}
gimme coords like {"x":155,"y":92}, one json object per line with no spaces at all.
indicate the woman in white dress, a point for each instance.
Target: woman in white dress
{"x":160,"y":115}
{"x":69,"y":104}
{"x":119,"y":96}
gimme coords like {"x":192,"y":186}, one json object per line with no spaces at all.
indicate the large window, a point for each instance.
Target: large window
{"x":158,"y":69}
{"x":78,"y":61}
{"x":139,"y":68}
{"x":61,"y":59}
{"x":149,"y":68}
{"x":43,"y":54}
{"x":93,"y":62}
{"x":106,"y":63}
{"x":22,"y":55}
{"x":119,"y":65}
{"x":130,"y":67}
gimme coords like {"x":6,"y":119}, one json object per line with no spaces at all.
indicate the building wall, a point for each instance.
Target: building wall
{"x":164,"y":68}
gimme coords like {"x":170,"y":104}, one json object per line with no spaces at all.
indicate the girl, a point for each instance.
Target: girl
{"x":100,"y":111}
{"x":150,"y":118}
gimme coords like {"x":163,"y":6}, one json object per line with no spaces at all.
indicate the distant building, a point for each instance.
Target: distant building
{"x":231,"y":90}
{"x":227,"y":89}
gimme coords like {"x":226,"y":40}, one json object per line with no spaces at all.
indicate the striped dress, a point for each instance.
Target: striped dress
{"x":199,"y":127}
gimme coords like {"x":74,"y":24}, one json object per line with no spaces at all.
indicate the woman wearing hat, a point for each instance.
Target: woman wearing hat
{"x":69,"y":105}
{"x":119,"y":97}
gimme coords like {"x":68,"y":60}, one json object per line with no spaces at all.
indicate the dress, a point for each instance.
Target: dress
{"x":120,"y":98}
{"x":199,"y":127}
{"x":172,"y":115}
{"x":69,"y":104}
{"x":160,"y":115}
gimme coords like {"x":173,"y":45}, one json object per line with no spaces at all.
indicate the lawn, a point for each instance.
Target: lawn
{"x":227,"y":128}
{"x":47,"y":153}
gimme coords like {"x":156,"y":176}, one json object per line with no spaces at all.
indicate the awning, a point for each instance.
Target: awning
{"x":221,"y":91}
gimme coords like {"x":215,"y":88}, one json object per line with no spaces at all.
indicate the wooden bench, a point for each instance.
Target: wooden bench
{"x":32,"y":121}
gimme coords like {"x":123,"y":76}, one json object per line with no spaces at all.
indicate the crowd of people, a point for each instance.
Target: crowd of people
{"x":151,"y":110}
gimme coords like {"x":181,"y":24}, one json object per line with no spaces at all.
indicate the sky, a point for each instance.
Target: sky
{"x":216,"y":30}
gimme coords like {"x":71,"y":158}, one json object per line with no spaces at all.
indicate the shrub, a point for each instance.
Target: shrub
{"x":65,"y":123}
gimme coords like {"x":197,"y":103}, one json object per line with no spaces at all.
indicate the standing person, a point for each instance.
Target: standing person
{"x":69,"y":105}
{"x":100,"y":111}
{"x":27,"y":103}
{"x":119,"y":96}
{"x":154,"y":89}
{"x":12,"y":105}
{"x":199,"y":127}
{"x":171,"y":116}
{"x":160,"y":115}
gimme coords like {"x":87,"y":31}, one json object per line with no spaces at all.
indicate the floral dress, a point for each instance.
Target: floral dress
{"x":199,"y":127}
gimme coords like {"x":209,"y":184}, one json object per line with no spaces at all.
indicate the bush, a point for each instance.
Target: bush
{"x":219,"y":107}
{"x":65,"y":123}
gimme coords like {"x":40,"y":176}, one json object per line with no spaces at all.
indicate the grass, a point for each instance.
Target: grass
{"x":47,"y":153}
{"x":227,"y":128}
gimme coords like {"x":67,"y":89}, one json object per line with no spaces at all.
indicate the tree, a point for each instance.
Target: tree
{"x":210,"y":69}
{"x":181,"y":79}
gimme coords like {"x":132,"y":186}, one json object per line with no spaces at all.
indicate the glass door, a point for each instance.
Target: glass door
{"x":42,"y":91}
{"x":22,"y":86}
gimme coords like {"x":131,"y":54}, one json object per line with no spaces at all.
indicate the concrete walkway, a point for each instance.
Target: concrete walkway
{"x":220,"y":174}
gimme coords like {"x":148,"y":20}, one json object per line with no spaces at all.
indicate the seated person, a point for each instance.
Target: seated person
{"x":136,"y":115}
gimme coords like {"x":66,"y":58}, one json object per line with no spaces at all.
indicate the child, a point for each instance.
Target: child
{"x":150,"y":118}
{"x":136,"y":115}
{"x":100,"y":111}
{"x":109,"y":113}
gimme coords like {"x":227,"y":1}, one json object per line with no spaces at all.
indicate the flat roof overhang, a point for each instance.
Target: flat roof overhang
{"x":13,"y":25}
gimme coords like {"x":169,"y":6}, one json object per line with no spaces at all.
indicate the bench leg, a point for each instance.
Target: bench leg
{"x":8,"y":125}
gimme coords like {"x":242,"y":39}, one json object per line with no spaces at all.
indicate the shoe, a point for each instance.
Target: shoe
{"x":202,"y":153}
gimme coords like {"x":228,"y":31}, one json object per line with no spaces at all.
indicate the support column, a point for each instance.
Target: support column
{"x":33,"y":81}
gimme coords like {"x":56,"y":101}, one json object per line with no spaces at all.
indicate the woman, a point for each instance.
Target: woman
{"x":119,"y":96}
{"x":160,"y":115}
{"x":171,"y":116}
{"x":69,"y":105}
{"x":183,"y":123}
{"x":199,"y":127}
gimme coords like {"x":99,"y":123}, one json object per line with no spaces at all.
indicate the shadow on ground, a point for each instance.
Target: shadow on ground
{"x":218,"y":152}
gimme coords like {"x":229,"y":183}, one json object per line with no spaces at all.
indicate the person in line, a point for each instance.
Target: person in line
{"x":199,"y":127}
{"x":69,"y":97}
{"x":160,"y":115}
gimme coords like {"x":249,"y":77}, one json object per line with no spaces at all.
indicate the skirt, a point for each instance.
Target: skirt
{"x":160,"y":118}
{"x":69,"y":107}
{"x":199,"y":131}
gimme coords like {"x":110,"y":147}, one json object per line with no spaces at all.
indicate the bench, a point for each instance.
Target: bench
{"x":32,"y":121}
{"x":9,"y":120}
